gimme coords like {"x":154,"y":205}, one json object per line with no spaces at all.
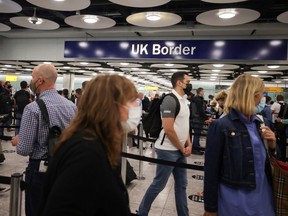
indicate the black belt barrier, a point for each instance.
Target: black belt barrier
{"x":163,"y":162}
{"x":7,"y":181}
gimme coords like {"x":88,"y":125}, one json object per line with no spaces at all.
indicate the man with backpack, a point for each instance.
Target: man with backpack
{"x":21,"y":99}
{"x":32,"y":140}
{"x":173,"y":144}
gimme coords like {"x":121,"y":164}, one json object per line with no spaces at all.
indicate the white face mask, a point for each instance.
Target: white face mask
{"x":134,"y":117}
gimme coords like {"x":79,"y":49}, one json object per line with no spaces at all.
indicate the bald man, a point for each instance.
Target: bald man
{"x":33,"y":134}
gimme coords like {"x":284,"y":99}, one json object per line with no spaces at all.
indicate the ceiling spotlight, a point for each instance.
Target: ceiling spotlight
{"x":214,"y":74}
{"x":91,"y":19}
{"x":226,"y":13}
{"x":255,"y":75}
{"x":169,"y":65}
{"x":273,"y":66}
{"x":218,"y":65}
{"x":8,"y":65}
{"x":34,"y":19}
{"x":216,"y":70}
{"x":47,"y":62}
{"x":262,"y":72}
{"x":153,"y":16}
{"x":66,"y":67}
{"x":84,"y":63}
{"x":124,"y":63}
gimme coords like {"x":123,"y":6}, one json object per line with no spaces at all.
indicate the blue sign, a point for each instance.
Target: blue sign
{"x":179,"y":49}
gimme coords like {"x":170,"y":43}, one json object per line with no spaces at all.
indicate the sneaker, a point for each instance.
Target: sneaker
{"x":2,"y":158}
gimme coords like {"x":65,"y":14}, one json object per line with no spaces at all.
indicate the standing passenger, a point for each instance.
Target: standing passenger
{"x":174,"y":145}
{"x":32,"y":138}
{"x":83,"y":177}
{"x":237,"y":172}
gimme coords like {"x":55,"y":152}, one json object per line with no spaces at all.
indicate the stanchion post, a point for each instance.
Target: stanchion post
{"x":123,"y":160}
{"x":15,"y":195}
{"x":140,"y":176}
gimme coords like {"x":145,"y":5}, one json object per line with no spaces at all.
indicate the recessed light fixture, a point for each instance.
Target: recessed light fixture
{"x":273,"y":66}
{"x":47,"y":62}
{"x":84,"y":63}
{"x":216,"y":70}
{"x":8,"y":65}
{"x":218,"y":65}
{"x":262,"y":72}
{"x":91,"y":19}
{"x":227,"y":13}
{"x":66,"y":67}
{"x":255,"y":75}
{"x":153,"y":16}
{"x":214,"y":74}
{"x":169,"y":65}
{"x":35,"y":20}
{"x":124,"y":63}
{"x":174,"y":70}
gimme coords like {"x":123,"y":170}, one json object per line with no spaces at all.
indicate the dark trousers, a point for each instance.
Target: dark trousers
{"x":197,"y":127}
{"x":33,"y":193}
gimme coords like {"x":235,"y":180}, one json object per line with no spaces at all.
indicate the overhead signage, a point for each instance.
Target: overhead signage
{"x":273,"y":89}
{"x":179,"y":49}
{"x":11,"y":78}
{"x":151,"y":88}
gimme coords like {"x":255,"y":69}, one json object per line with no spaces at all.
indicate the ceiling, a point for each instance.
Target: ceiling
{"x":266,"y":26}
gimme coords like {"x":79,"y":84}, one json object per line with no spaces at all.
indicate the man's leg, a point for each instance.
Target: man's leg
{"x":180,"y":178}
{"x":197,"y":127}
{"x":2,"y":157}
{"x":159,"y":182}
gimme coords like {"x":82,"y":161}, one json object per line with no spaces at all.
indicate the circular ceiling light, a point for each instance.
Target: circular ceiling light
{"x":273,"y":66}
{"x":8,"y":6}
{"x":153,"y":16}
{"x":140,"y":4}
{"x":169,"y":65}
{"x":90,"y":19}
{"x":262,"y":72}
{"x":223,"y":17}
{"x":23,"y":21}
{"x":35,"y":20}
{"x":227,"y":13}
{"x":124,"y":63}
{"x":4,"y":27}
{"x":71,"y":5}
{"x":166,"y":19}
{"x":283,"y":17}
{"x":218,"y":65}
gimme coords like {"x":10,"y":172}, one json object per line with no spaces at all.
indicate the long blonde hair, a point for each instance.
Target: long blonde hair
{"x":242,"y":94}
{"x":98,"y":115}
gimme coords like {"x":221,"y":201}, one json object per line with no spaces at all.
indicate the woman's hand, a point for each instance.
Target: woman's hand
{"x":269,"y":135}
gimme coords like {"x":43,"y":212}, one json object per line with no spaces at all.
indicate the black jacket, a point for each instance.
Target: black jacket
{"x":198,"y":113}
{"x":80,"y":181}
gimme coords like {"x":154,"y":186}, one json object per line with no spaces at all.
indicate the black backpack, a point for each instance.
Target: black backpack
{"x":152,"y":122}
{"x":54,"y":131}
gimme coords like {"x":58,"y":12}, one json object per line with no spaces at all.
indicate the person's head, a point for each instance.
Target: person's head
{"x":200,"y":92}
{"x":157,"y":96}
{"x":2,"y":83}
{"x":221,"y":97}
{"x":245,"y":94}
{"x":78,"y":92}
{"x":181,"y":83}
{"x":140,"y":95}
{"x":104,"y":111}
{"x":7,"y":84}
{"x":43,"y":78}
{"x":84,"y":85}
{"x":23,"y":85}
{"x":268,"y":100}
{"x":65,"y":92}
{"x":280,"y":98}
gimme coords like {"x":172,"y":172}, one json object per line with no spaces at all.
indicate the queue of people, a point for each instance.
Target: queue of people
{"x":237,"y":175}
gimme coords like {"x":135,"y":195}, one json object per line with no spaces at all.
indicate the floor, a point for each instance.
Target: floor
{"x":164,"y":205}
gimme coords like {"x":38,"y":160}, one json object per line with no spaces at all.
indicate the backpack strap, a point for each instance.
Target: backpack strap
{"x":44,"y":111}
{"x":176,"y":113}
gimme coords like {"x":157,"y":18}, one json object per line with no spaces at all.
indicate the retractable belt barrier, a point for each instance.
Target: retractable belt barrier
{"x":163,"y":162}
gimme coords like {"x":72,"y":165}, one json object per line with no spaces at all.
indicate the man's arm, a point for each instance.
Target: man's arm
{"x":168,"y":126}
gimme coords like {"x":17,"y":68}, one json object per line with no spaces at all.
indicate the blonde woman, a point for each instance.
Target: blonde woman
{"x":82,"y":178}
{"x":237,"y":173}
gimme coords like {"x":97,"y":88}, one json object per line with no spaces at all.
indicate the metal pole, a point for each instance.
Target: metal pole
{"x":140,"y":133}
{"x":15,"y":194}
{"x":123,"y":160}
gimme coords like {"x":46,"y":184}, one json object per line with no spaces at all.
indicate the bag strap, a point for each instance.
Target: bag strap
{"x":44,"y":111}
{"x":285,"y":110}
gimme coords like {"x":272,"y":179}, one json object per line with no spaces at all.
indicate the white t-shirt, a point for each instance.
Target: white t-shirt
{"x":181,"y":123}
